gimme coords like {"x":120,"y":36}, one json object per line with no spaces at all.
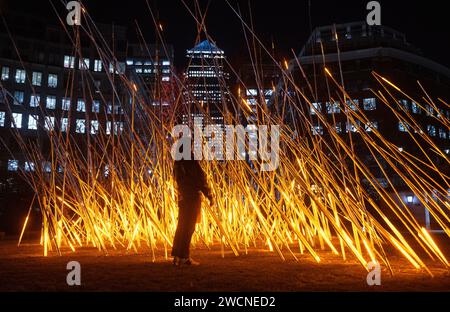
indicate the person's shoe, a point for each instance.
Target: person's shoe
{"x":176,"y":261}
{"x":189,"y":261}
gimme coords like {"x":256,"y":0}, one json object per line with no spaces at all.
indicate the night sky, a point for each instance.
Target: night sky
{"x":287,"y":21}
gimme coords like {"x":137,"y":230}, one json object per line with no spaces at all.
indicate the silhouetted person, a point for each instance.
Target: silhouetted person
{"x":191,"y":181}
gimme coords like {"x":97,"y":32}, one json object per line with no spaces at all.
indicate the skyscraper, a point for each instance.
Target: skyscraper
{"x":207,"y":92}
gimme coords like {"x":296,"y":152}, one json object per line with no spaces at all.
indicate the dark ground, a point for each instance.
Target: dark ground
{"x":25,"y":269}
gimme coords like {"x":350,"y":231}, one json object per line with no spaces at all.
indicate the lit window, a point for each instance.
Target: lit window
{"x":81,"y":106}
{"x":370,"y":104}
{"x":139,"y":70}
{"x":118,"y":68}
{"x":373,"y":125}
{"x":5,"y":73}
{"x":30,"y":166}
{"x":13,"y":165}
{"x":66,"y":104}
{"x":251,"y":92}
{"x":402,"y":127}
{"x":98,"y":66}
{"x":2,"y":119}
{"x":106,"y":171}
{"x":317,"y":108}
{"x":351,"y":127}
{"x":352,"y":104}
{"x":333,"y":108}
{"x":166,"y":79}
{"x":35,"y":99}
{"x":51,"y":102}
{"x":64,"y":124}
{"x":19,"y":97}
{"x":409,"y":199}
{"x":268,"y":92}
{"x":118,"y":109}
{"x":404,"y":104}
{"x":52,"y":80}
{"x":338,"y":127}
{"x":16,"y":121}
{"x":49,"y":123}
{"x":94,"y":126}
{"x":442,"y":133}
{"x":166,"y":63}
{"x":47,"y":166}
{"x":252,"y":102}
{"x":96,"y":106}
{"x":69,"y":61}
{"x":317,"y":130}
{"x":431,"y":130}
{"x":36,"y":79}
{"x":80,"y":126}
{"x":32,"y":122}
{"x":20,"y":75}
{"x":84,"y":63}
{"x":429,"y":110}
{"x":118,"y":127}
{"x":415,"y":108}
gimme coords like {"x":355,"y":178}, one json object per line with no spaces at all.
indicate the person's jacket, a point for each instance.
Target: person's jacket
{"x":190,"y":179}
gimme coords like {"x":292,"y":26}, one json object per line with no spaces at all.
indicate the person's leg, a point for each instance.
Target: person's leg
{"x":180,"y":232}
{"x":187,"y":220}
{"x":177,"y":241}
{"x":189,"y":229}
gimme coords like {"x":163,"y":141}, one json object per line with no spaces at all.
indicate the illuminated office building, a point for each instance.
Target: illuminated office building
{"x":352,"y":52}
{"x":207,"y":94}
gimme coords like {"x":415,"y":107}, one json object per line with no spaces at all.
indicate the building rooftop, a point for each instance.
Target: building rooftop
{"x":353,"y":36}
{"x":357,"y":41}
{"x":206,"y":46}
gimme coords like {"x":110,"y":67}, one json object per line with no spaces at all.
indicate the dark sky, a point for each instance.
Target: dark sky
{"x":425,"y":23}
